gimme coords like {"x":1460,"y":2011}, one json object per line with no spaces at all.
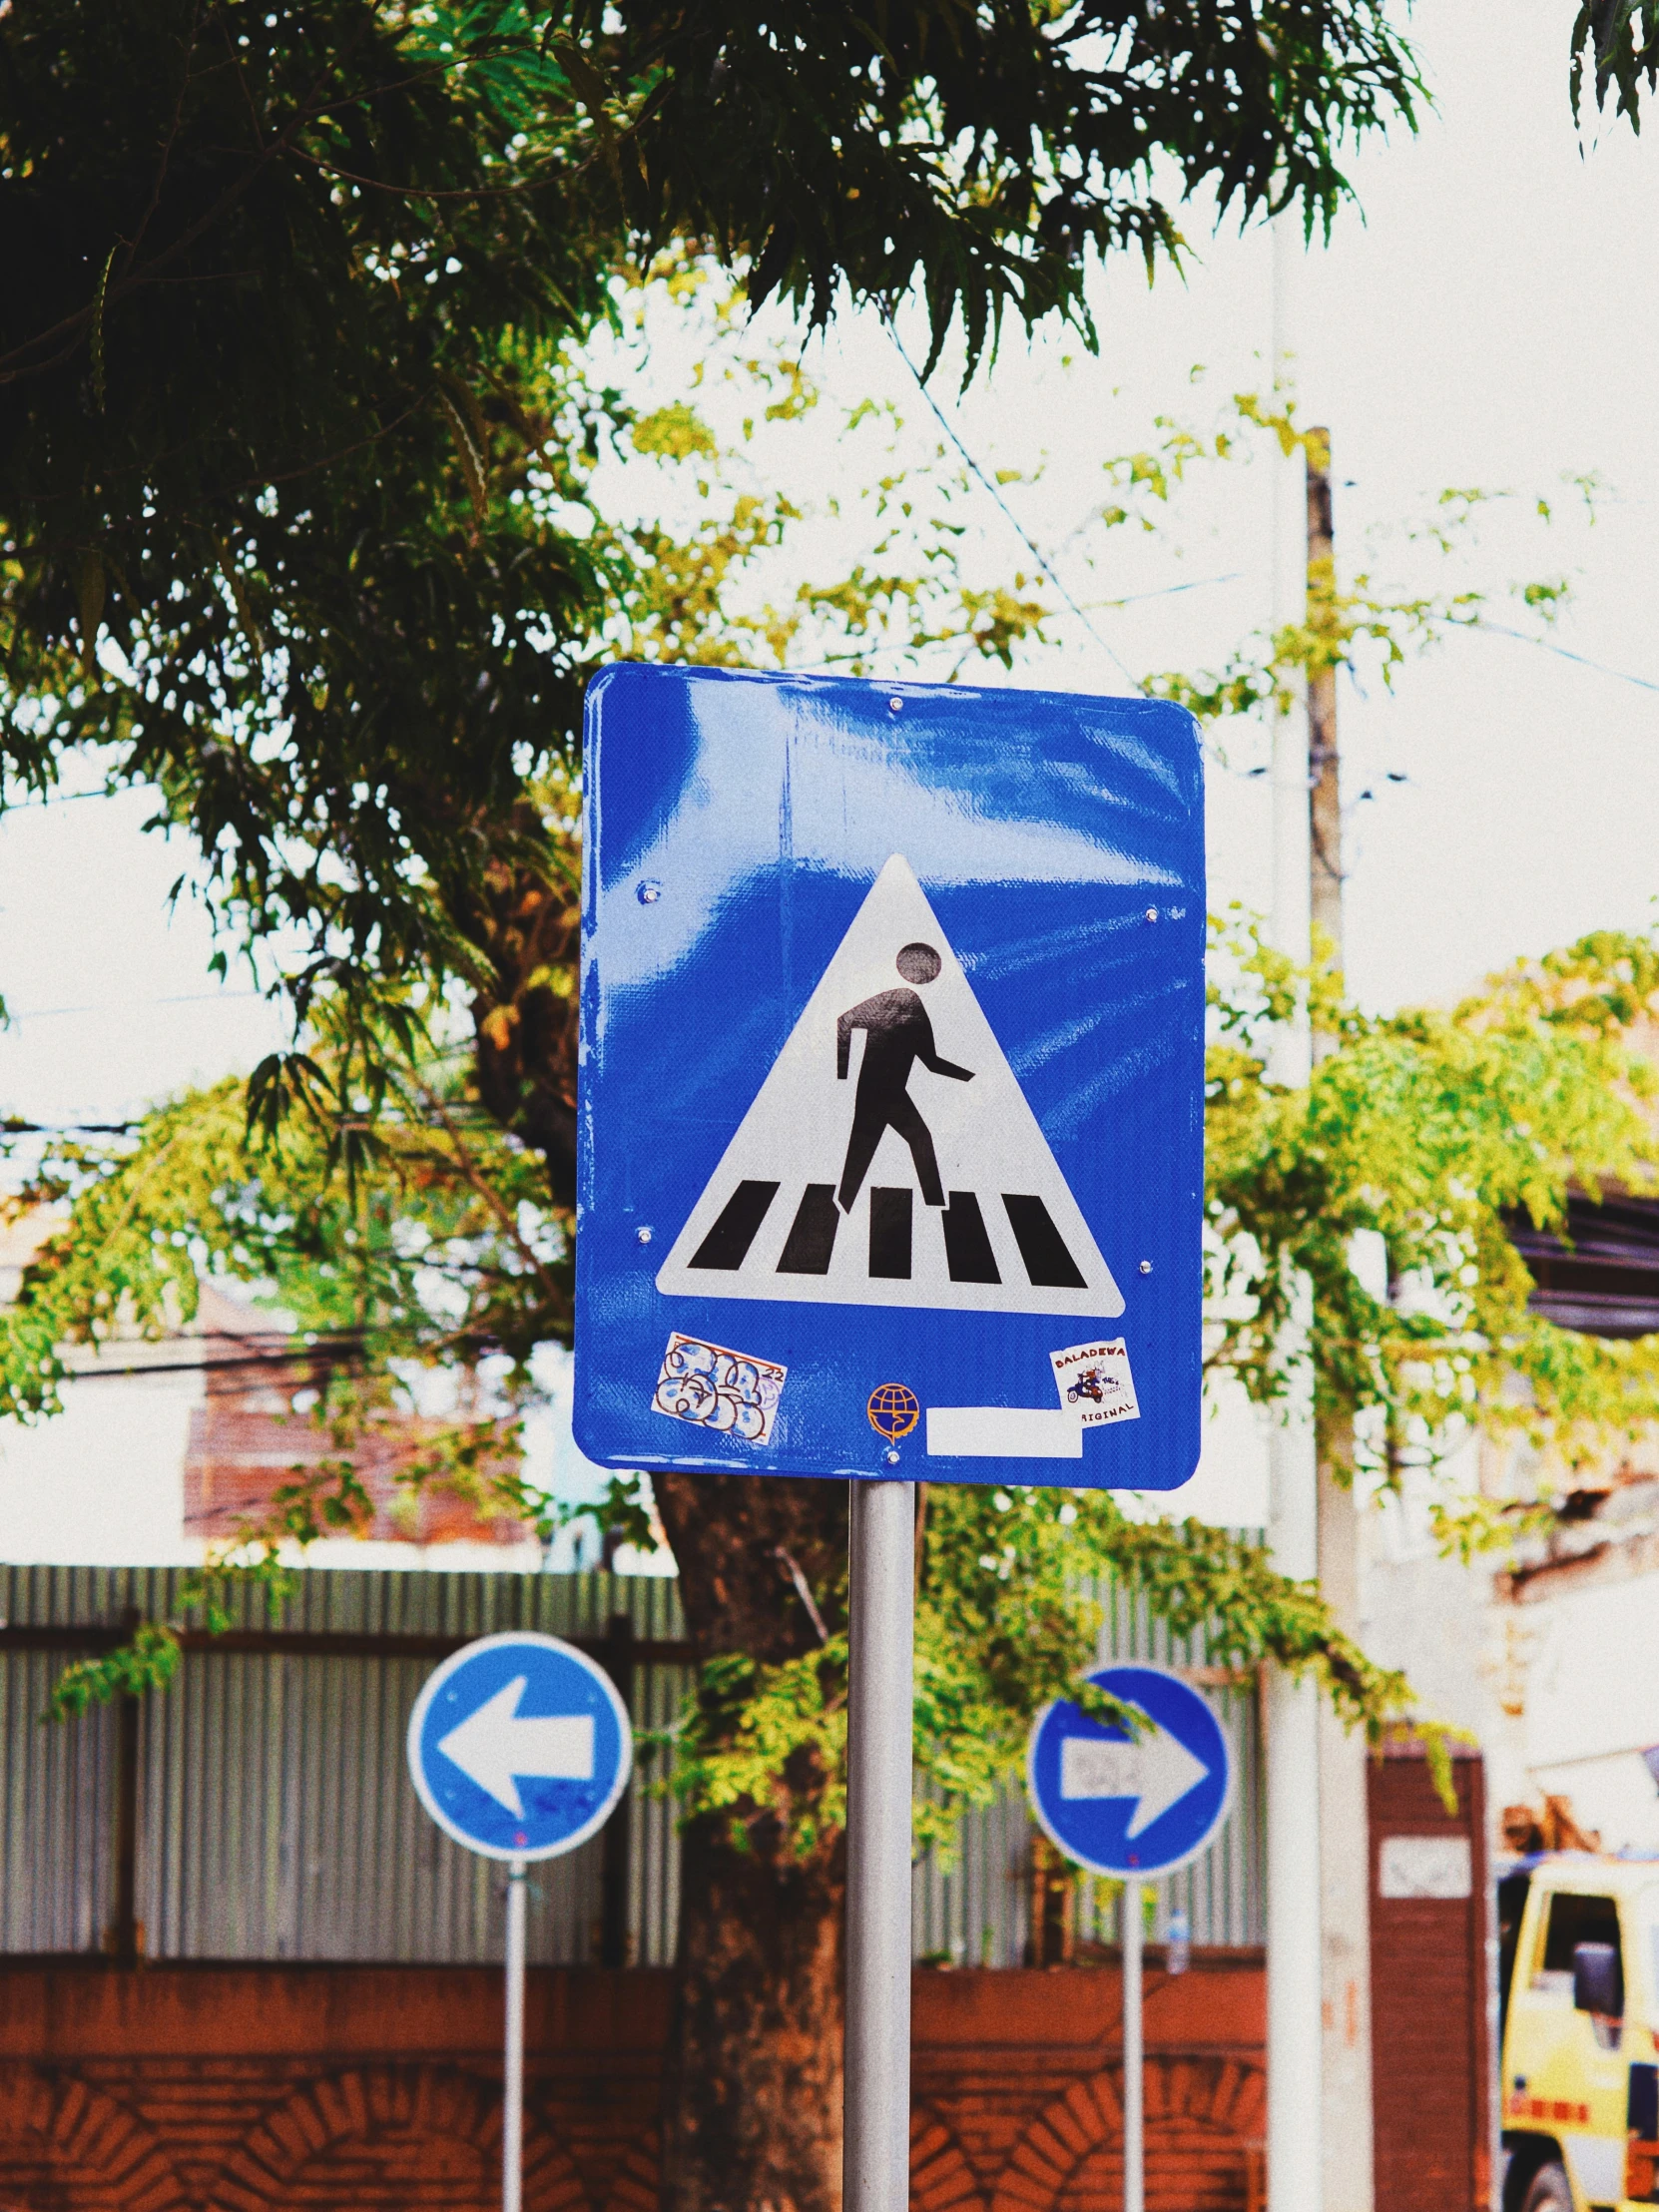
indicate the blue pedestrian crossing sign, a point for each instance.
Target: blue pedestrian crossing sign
{"x":519,"y":1746}
{"x":891,"y":1090}
{"x":1131,"y":1802}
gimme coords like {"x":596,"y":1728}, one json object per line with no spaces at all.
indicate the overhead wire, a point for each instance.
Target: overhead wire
{"x":1046,"y":568}
{"x":277,"y":1350}
{"x":1548,"y":645}
{"x":14,"y":1125}
{"x":1044,"y":565}
{"x":1169,"y":591}
{"x":308,"y":1355}
{"x":52,"y":799}
{"x":179,"y":998}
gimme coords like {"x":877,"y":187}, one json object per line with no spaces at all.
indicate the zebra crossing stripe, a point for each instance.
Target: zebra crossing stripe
{"x":968,"y":1247}
{"x":811,"y":1243}
{"x":1041,"y":1246}
{"x":890,"y":1156}
{"x":728,"y":1242}
{"x":810,"y":1246}
{"x":890,"y":1233}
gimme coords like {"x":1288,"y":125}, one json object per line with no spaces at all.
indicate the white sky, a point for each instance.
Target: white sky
{"x":1491,"y":318}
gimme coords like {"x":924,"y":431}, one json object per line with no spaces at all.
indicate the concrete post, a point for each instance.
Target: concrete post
{"x":1295,"y":2166}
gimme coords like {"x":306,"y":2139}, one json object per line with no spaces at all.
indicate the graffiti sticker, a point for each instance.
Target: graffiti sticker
{"x":715,"y":1388}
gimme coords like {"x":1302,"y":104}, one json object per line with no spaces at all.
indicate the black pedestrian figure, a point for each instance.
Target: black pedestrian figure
{"x":898,"y":1033}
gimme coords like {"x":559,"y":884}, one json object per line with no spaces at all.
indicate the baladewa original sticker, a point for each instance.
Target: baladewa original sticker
{"x":1095,"y":1384}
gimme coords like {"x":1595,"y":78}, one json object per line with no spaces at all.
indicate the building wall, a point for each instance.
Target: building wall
{"x":1543,"y":1652}
{"x":251,"y":1435}
{"x":318,"y":2089}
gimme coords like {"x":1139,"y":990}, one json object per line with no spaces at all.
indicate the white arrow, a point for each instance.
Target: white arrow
{"x":1157,"y":1767}
{"x":493,"y":1744}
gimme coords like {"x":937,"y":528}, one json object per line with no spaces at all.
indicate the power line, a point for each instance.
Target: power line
{"x":1547,"y":645}
{"x":466,"y":1112}
{"x":203,"y":1366}
{"x":345,"y":1346}
{"x":180,"y":999}
{"x":1168,"y":590}
{"x":1045,"y":567}
{"x":56,"y":799}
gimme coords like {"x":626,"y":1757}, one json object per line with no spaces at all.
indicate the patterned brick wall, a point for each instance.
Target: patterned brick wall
{"x":377,"y":2090}
{"x":248,"y":1439}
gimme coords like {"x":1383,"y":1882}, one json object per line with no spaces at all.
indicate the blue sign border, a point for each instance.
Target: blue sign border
{"x":719,"y":879}
{"x":1121,"y":1678}
{"x":519,"y":1638}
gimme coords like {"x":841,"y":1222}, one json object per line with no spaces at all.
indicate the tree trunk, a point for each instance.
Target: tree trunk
{"x":751,"y":2091}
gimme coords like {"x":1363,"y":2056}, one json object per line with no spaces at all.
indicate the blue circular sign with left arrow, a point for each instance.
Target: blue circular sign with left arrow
{"x":520,"y":1746}
{"x":1128,"y":1803}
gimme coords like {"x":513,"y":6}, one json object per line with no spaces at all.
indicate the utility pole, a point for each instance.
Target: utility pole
{"x":1344,"y":1829}
{"x":1294,"y":2038}
{"x":1325,"y":811}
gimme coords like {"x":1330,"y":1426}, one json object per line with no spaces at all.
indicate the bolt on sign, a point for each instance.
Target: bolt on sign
{"x":891,"y":1081}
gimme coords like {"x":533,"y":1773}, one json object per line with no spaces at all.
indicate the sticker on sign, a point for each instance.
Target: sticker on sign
{"x":1095,"y":1384}
{"x":734,"y":1394}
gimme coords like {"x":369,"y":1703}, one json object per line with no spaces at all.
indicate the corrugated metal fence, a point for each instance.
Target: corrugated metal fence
{"x":978,"y":1912}
{"x":271,"y":1815}
{"x":275,"y":1816}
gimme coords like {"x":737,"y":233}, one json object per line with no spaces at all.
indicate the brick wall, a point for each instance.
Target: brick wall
{"x":376,"y":2090}
{"x":248,"y":1441}
{"x":1431,"y":2077}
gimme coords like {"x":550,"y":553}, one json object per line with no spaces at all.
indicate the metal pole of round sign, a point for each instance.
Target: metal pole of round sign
{"x":520,"y":1749}
{"x":880,"y":1690}
{"x":1134,"y":2057}
{"x":1132,"y":1805}
{"x":512,"y":2060}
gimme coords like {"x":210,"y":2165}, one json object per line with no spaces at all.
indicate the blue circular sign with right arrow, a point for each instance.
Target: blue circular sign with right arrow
{"x":1127,"y":1804}
{"x":519,"y":1746}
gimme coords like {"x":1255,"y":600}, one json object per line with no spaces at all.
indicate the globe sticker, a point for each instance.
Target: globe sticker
{"x":894,"y":1411}
{"x":1095,"y":1384}
{"x":732,"y":1393}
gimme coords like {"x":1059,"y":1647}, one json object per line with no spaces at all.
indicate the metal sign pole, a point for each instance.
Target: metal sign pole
{"x":518,"y":1786}
{"x":1132,"y":1806}
{"x":512,"y":2072}
{"x":1134,"y":2072}
{"x":881,"y":1608}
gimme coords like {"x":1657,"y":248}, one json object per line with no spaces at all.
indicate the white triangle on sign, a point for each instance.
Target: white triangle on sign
{"x":828,"y":1194}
